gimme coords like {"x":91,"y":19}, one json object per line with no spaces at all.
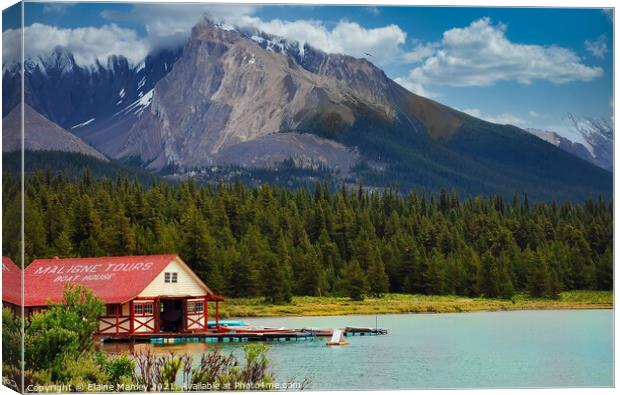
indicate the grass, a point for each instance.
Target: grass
{"x":401,"y":304}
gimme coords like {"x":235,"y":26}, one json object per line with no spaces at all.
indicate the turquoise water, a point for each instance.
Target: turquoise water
{"x":570,"y":348}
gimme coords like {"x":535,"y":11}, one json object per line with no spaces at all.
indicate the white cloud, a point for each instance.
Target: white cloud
{"x":373,"y":10}
{"x":533,"y":114}
{"x":598,"y":48}
{"x":169,"y":25}
{"x":56,"y":8}
{"x":419,"y":53}
{"x":87,"y":44}
{"x":418,"y":89}
{"x":502,"y":119}
{"x":382,"y":43}
{"x":481,"y":55}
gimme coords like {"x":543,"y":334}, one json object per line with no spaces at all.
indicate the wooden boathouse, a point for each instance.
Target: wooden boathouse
{"x":144,"y":295}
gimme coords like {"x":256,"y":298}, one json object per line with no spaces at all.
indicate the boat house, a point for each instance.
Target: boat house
{"x":144,"y":295}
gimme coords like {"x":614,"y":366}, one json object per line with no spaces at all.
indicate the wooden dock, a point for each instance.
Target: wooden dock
{"x":231,"y":337}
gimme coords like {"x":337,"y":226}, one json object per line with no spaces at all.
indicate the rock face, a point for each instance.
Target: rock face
{"x":229,"y":88}
{"x":41,"y":134}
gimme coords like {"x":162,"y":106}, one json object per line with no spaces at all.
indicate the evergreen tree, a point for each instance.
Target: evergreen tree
{"x":354,"y":282}
{"x":377,"y":278}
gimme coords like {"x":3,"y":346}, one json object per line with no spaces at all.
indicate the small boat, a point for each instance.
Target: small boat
{"x":337,"y":338}
{"x":247,"y":329}
{"x":212,"y":324}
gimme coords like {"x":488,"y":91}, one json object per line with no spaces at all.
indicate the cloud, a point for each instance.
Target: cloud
{"x":419,"y":53}
{"x":502,"y":119}
{"x":533,"y":114}
{"x":350,"y":38}
{"x":88,"y":44}
{"x":373,"y":10}
{"x":165,"y":25}
{"x":57,"y":9}
{"x":418,"y":89}
{"x":481,"y":55}
{"x":598,"y":47}
{"x":169,"y":25}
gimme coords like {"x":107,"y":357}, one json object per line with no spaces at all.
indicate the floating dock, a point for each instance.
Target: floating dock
{"x":231,"y":337}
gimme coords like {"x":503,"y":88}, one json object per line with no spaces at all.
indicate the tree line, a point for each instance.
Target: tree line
{"x":274,"y":242}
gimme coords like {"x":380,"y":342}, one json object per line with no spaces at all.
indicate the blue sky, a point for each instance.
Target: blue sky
{"x":526,"y":66}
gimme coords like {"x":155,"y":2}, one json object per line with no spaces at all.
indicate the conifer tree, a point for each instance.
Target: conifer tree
{"x":354,"y":282}
{"x":377,"y":278}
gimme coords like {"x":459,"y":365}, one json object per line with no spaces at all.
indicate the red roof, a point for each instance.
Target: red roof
{"x":11,"y":281}
{"x":113,"y":279}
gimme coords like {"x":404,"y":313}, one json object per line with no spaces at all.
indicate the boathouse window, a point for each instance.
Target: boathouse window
{"x":110,"y":310}
{"x":170,"y":277}
{"x":195,"y":307}
{"x":143,"y":309}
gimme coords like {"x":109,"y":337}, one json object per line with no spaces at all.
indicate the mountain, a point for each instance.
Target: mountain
{"x":98,"y":103}
{"x":41,"y":134}
{"x":232,"y":92}
{"x":234,"y":97}
{"x":598,"y":148}
{"x":239,"y":100}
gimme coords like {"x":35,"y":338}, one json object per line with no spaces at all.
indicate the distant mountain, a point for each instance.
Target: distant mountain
{"x":99,"y":103}
{"x":237,"y":96}
{"x":41,"y":134}
{"x":598,"y":135}
{"x":598,"y":148}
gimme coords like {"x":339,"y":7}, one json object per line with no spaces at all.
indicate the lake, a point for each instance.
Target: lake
{"x":566,"y":348}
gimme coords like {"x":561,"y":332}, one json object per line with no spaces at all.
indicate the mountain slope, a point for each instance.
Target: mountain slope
{"x":41,"y":134}
{"x":93,"y":102}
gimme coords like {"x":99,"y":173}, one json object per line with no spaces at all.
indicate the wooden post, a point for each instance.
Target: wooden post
{"x":185,"y":321}
{"x":206,"y":313}
{"x":116,"y":312}
{"x":131,"y":317}
{"x":217,"y":315}
{"x":156,"y":314}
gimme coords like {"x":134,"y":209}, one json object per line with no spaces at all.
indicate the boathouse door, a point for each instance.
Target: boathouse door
{"x":171,"y":315}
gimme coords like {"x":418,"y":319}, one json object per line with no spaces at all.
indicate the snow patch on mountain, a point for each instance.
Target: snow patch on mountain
{"x":141,"y":83}
{"x":79,"y":125}
{"x":138,"y":106}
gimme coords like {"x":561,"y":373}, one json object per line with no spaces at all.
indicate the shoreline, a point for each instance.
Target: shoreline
{"x":594,"y":307}
{"x":411,"y":304}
